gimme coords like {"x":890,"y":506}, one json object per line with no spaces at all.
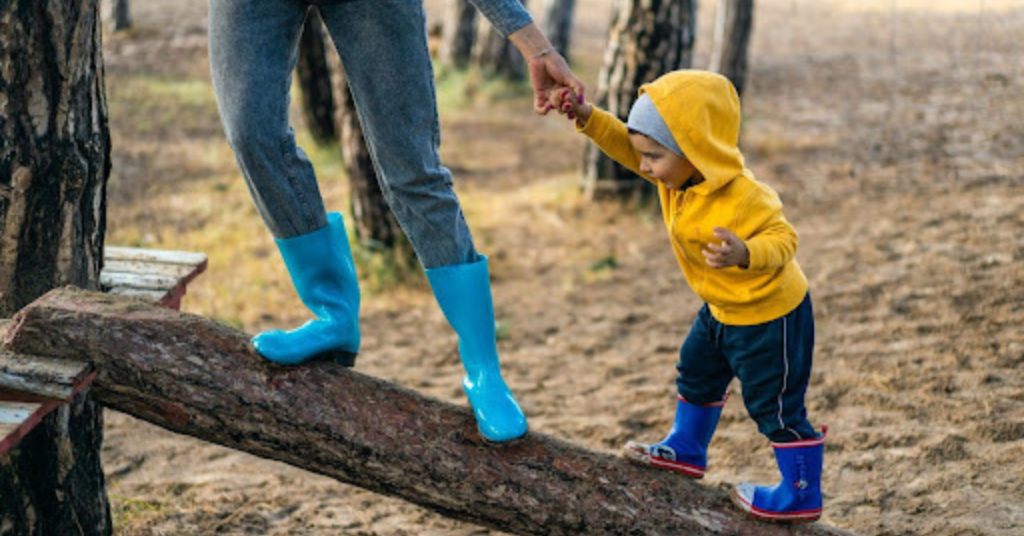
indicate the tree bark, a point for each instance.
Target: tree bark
{"x":54,"y":166}
{"x":558,"y":24}
{"x":119,"y":17}
{"x":647,"y":38}
{"x":733,"y":24}
{"x":314,"y":74}
{"x":198,"y":377}
{"x":52,"y":482}
{"x":459,"y":33}
{"x":496,"y":56}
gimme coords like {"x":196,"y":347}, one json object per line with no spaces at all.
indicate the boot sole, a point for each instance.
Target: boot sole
{"x":505,"y":443}
{"x":345,"y":359}
{"x":639,"y":456}
{"x":782,"y":519}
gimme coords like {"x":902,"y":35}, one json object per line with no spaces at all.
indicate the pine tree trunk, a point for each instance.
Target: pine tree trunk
{"x":120,"y":17}
{"x":733,"y":25}
{"x":314,"y":75}
{"x":647,"y":38}
{"x":558,"y":25}
{"x":459,"y":34}
{"x":496,"y":56}
{"x":54,"y":166}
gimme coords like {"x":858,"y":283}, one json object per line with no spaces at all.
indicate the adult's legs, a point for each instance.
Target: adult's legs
{"x":383,"y":46}
{"x":253,"y":50}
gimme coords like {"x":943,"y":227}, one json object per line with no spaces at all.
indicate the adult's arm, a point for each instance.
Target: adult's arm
{"x":548,"y":69}
{"x":506,"y":15}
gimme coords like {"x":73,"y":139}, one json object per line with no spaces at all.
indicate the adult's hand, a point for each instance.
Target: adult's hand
{"x":547,"y":73}
{"x":548,"y":69}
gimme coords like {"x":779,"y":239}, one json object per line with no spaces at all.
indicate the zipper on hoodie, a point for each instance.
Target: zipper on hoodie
{"x":677,"y":212}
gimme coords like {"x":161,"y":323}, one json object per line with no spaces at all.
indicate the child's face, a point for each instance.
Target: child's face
{"x":661,"y":164}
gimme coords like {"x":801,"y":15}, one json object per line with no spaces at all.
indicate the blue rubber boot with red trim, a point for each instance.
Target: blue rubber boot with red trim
{"x":685,"y":450}
{"x":797,"y":499}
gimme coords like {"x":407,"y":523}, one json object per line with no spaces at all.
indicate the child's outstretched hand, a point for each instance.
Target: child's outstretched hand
{"x":569,"y":104}
{"x":731,"y":252}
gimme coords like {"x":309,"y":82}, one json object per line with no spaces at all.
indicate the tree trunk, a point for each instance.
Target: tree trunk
{"x":314,"y":75}
{"x":459,"y":33}
{"x":647,"y":38}
{"x":198,"y":377}
{"x":733,"y":24}
{"x":496,"y":56}
{"x":54,"y":166}
{"x":558,"y":24}
{"x":120,"y":17}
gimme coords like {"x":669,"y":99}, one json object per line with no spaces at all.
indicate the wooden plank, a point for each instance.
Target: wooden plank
{"x":17,"y":419}
{"x":16,"y":412}
{"x":138,"y":280}
{"x":154,"y":255}
{"x":177,"y":271}
{"x":156,"y":276}
{"x":33,"y":386}
{"x":147,"y":295}
{"x":47,"y":377}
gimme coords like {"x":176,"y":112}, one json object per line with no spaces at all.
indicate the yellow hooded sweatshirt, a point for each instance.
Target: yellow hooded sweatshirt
{"x":702,"y":110}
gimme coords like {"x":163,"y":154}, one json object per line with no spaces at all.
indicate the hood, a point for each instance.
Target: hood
{"x":702,"y":110}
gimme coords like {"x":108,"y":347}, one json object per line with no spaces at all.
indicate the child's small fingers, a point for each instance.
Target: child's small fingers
{"x":724,"y":235}
{"x":557,"y":96}
{"x":724,"y":248}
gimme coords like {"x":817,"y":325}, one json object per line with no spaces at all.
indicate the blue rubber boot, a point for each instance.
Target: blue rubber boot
{"x":797,"y":499}
{"x":685,"y":449}
{"x":321,"y":267}
{"x":464,"y":293}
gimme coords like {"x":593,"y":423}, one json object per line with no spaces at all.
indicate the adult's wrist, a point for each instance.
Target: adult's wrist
{"x":531,"y":42}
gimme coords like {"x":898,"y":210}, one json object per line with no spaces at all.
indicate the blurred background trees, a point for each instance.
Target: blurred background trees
{"x":647,"y":38}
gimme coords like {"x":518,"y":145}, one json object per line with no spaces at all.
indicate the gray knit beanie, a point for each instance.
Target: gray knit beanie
{"x":645,"y":119}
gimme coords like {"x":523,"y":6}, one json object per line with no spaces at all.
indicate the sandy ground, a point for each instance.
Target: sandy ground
{"x":892,"y":131}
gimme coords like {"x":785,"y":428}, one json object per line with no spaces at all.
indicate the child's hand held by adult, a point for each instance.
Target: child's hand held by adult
{"x":569,"y":103}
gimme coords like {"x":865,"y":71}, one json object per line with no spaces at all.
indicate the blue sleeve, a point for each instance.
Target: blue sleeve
{"x":506,"y":15}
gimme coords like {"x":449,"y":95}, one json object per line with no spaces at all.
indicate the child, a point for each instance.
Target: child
{"x":737,"y":251}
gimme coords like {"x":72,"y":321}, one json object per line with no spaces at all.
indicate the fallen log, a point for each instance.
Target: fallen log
{"x":197,"y":377}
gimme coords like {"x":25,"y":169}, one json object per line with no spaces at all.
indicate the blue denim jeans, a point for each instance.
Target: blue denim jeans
{"x":383,"y":46}
{"x":772,"y":360}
